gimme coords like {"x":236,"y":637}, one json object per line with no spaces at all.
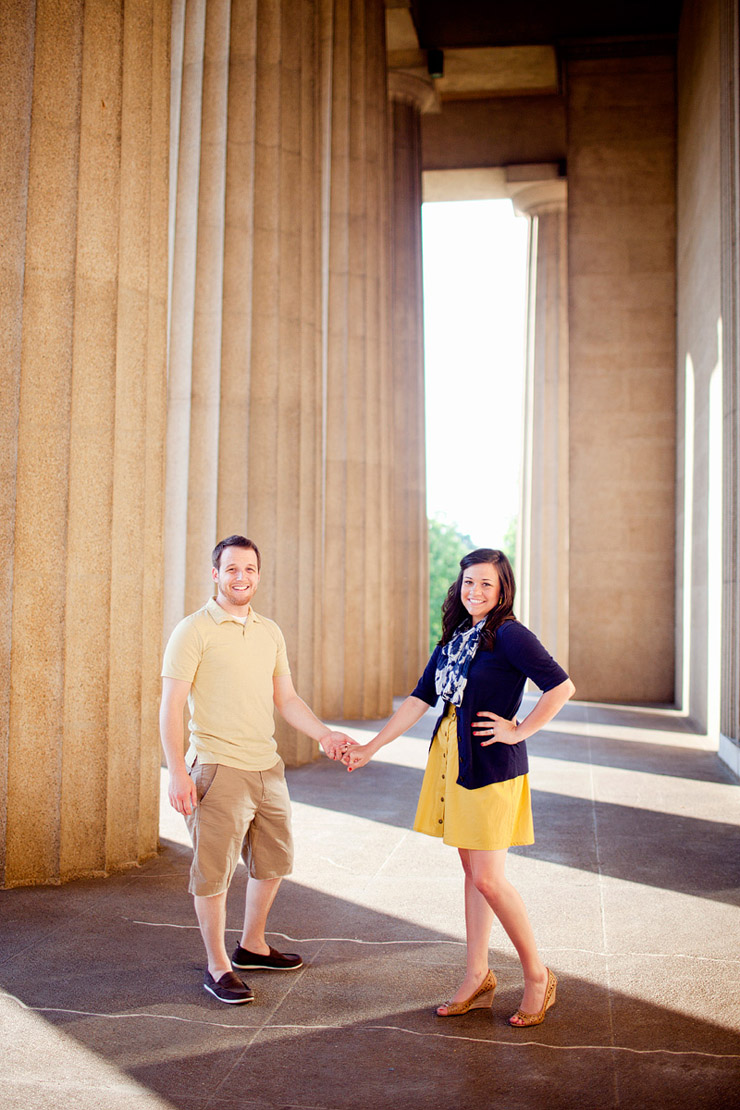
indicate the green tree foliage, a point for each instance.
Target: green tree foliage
{"x":446,"y":548}
{"x":508,"y":545}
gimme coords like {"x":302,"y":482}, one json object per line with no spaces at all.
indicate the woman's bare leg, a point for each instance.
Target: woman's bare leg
{"x":478,"y":922}
{"x":487,"y":873}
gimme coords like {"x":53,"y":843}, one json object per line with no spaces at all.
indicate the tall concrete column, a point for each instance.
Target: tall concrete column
{"x":245,"y":421}
{"x":730,"y":225}
{"x":357,"y":517}
{"x":279,"y":389}
{"x":410,"y":96}
{"x":275,"y":295}
{"x":701,"y":322}
{"x":84,"y":281}
{"x":544,"y":519}
{"x":200,"y":53}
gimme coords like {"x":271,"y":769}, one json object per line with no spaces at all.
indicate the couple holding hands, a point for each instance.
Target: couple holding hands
{"x":230,"y":665}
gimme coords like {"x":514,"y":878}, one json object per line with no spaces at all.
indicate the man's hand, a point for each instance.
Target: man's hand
{"x":335,"y":744}
{"x":182,"y":793}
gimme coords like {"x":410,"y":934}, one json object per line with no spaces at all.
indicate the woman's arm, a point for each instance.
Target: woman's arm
{"x":500,"y":731}
{"x":408,"y":713}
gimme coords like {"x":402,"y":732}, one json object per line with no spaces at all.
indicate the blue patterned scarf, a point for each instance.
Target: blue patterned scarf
{"x":453,"y":663}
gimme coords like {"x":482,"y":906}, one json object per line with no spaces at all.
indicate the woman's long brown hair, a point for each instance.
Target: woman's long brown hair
{"x":453,"y":610}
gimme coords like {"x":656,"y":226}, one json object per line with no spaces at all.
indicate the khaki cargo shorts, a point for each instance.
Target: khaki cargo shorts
{"x":243,"y":813}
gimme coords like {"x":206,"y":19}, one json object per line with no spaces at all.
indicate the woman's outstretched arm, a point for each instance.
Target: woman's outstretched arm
{"x":408,"y":713}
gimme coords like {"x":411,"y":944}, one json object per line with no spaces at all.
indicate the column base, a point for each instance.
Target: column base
{"x":729,"y":753}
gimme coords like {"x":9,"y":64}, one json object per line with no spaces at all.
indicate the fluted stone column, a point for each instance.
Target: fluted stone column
{"x":543,"y":546}
{"x":410,"y":96}
{"x":282,"y":491}
{"x":244,"y":432}
{"x":83,"y":294}
{"x":200,"y":38}
{"x":280,"y":400}
{"x":357,"y":519}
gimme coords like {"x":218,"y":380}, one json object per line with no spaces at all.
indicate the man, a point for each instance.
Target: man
{"x":230,"y":665}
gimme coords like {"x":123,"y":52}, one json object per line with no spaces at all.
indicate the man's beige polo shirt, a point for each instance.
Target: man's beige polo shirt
{"x":230,"y":666}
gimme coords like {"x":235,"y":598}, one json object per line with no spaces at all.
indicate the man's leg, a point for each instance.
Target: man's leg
{"x":253,"y":951}
{"x":260,"y":896}
{"x":268,"y":851}
{"x":211,"y":914}
{"x":220,"y":980}
{"x":223,"y":813}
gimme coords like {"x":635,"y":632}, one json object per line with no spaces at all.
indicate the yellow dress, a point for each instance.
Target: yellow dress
{"x":489,"y":818}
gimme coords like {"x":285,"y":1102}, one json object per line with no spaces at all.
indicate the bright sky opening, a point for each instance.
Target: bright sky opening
{"x":475,"y":266}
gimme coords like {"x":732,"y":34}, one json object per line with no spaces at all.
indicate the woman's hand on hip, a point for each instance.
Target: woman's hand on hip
{"x":495,"y":729}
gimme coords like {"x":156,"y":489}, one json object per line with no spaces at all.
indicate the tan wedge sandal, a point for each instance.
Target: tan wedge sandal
{"x":520,"y":1020}
{"x":480,"y":999}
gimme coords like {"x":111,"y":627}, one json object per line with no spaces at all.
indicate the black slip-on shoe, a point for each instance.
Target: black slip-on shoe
{"x":275,"y":961}
{"x":229,"y":988}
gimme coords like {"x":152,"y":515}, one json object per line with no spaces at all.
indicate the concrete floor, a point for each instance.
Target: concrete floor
{"x":632,"y":887}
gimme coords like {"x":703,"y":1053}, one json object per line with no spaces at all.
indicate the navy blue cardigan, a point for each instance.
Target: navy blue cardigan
{"x":496,"y":683}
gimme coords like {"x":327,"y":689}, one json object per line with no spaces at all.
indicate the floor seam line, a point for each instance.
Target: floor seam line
{"x":602,"y":914}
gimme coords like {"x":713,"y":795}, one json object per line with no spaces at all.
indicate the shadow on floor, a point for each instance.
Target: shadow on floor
{"x":666,"y":760}
{"x":106,"y":965}
{"x":104,"y":1009}
{"x":667,"y":851}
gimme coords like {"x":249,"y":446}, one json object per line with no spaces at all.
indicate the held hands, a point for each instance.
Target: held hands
{"x":337,"y":744}
{"x":359,"y":755}
{"x":497,"y":730}
{"x":182,"y":793}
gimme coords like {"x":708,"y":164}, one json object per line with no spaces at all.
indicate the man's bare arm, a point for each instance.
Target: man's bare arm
{"x":294,"y":710}
{"x":182,"y":793}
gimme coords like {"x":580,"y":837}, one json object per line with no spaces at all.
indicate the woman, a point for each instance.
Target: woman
{"x":475,"y":793}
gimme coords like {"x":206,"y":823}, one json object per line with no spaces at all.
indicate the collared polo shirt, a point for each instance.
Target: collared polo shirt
{"x":230,"y":666}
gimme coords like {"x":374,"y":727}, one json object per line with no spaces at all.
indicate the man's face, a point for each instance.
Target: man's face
{"x":237,"y":577}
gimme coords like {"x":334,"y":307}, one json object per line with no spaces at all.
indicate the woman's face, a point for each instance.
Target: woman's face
{"x":481,"y":589}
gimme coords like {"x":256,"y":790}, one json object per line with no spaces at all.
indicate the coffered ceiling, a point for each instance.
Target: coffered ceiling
{"x":446,"y":24}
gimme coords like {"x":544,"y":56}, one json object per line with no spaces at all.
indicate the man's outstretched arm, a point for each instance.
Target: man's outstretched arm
{"x":294,"y":710}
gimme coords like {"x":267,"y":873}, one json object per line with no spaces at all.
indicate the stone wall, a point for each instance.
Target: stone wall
{"x":495,"y":132}
{"x":621,"y":250}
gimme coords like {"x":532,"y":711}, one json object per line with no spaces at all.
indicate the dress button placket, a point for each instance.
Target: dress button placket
{"x":441,"y":819}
